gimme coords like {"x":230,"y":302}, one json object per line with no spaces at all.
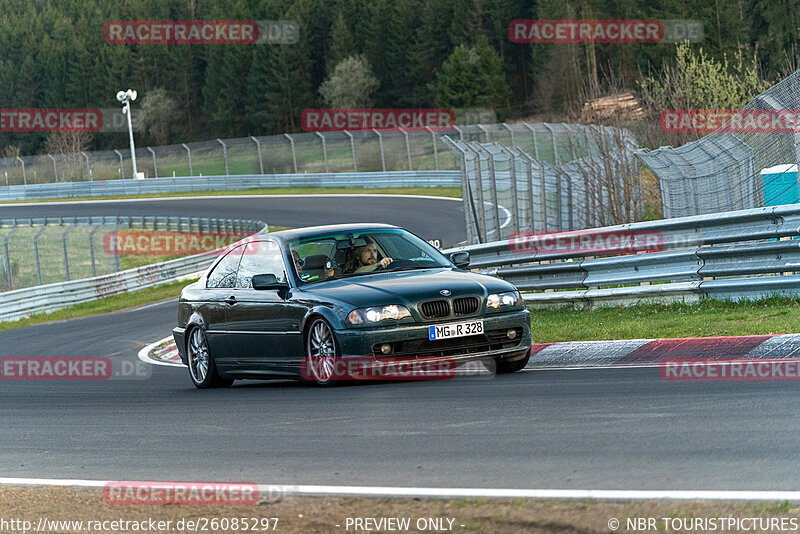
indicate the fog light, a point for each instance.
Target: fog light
{"x":386,"y":348}
{"x":511,"y":334}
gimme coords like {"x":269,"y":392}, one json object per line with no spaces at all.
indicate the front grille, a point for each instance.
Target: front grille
{"x":434,"y":309}
{"x":465,"y":305}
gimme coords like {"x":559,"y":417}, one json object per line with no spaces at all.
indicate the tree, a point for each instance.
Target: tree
{"x":158,"y":112}
{"x":351,"y":85}
{"x":342,"y":44}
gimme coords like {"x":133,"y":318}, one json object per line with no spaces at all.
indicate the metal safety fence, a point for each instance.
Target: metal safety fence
{"x":314,"y":152}
{"x":722,"y":171}
{"x":747,"y":254}
{"x":507,"y":189}
{"x":41,"y":251}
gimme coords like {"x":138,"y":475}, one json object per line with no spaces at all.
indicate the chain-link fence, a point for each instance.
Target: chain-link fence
{"x":362,"y":151}
{"x":722,"y":171}
{"x":506,"y":189}
{"x":44,"y":251}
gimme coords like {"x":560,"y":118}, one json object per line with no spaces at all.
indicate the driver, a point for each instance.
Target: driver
{"x":366,"y":259}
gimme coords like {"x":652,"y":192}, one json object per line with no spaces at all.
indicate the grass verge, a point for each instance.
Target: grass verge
{"x":775,"y":315}
{"x":450,"y":192}
{"x":106,"y":305}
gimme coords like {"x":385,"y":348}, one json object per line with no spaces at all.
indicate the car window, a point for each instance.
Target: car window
{"x":224,"y":273}
{"x":262,"y":257}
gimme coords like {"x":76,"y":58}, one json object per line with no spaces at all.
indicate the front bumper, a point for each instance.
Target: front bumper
{"x":412,"y":340}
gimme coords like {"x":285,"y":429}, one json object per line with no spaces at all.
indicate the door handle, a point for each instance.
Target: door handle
{"x":230,"y":300}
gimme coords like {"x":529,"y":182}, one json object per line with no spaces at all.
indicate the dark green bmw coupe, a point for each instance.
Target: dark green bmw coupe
{"x":331,"y":303}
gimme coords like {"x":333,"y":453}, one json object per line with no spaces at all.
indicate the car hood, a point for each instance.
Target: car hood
{"x":406,"y":287}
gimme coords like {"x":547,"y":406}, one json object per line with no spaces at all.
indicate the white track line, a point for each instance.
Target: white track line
{"x":144,"y":355}
{"x":209,"y":197}
{"x":497,"y":493}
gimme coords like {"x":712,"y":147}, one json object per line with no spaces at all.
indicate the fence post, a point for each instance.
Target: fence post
{"x":510,"y":131}
{"x":460,"y":132}
{"x":8,"y":258}
{"x":435,"y":151}
{"x":473,"y":227}
{"x":352,"y":149}
{"x":155,"y":165}
{"x":380,"y":142}
{"x":189,"y":152}
{"x":514,"y":189}
{"x":294,"y":154}
{"x":91,"y":247}
{"x":535,"y":144}
{"x":224,"y":155}
{"x":324,"y":151}
{"x":549,"y":128}
{"x":88,"y":168}
{"x":55,"y":170}
{"x":115,"y":257}
{"x":260,"y":161}
{"x":486,"y":131}
{"x":121,"y":168}
{"x":408,"y":148}
{"x":64,"y":236}
{"x":569,"y":137}
{"x":36,"y":250}
{"x":24,"y":178}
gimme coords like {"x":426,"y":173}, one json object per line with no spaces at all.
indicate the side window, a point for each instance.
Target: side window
{"x":262,"y":257}
{"x":224,"y":274}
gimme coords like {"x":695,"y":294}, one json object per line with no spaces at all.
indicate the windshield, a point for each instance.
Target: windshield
{"x":340,"y":255}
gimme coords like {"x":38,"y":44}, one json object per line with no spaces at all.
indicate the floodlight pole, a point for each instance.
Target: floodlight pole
{"x":127,"y":111}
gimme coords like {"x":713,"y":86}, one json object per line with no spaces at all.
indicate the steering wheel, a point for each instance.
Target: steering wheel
{"x":397,"y":263}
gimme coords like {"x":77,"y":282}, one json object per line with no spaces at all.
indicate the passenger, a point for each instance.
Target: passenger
{"x":298,"y":263}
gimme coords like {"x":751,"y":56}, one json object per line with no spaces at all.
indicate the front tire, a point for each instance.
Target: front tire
{"x":202,"y":370}
{"x":505,"y":367}
{"x":322,"y":354}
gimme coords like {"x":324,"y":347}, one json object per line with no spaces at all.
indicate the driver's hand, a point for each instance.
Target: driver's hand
{"x":385,"y":262}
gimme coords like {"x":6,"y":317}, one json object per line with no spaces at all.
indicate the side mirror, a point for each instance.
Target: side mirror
{"x":460,"y":259}
{"x":267,"y":281}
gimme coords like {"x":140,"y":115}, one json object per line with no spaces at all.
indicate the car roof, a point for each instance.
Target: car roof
{"x":311,"y":231}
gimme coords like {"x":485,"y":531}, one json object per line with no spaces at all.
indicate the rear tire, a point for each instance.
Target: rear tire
{"x":505,"y":367}
{"x":202,"y":370}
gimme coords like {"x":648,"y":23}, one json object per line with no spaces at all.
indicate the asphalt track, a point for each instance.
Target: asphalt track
{"x":596,"y":429}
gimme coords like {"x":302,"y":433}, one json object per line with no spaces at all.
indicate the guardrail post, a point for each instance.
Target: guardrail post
{"x":121,"y":168}
{"x":408,"y":148}
{"x":64,"y":236}
{"x":224,"y":155}
{"x":189,"y":153}
{"x":260,"y":160}
{"x":352,"y":149}
{"x":380,"y":143}
{"x":91,"y":248}
{"x":24,"y":178}
{"x":8,"y":258}
{"x":155,"y":165}
{"x":294,"y":154}
{"x":36,"y":250}
{"x":535,"y":144}
{"x":55,"y":169}
{"x":88,"y":168}
{"x":435,"y":151}
{"x":324,"y":151}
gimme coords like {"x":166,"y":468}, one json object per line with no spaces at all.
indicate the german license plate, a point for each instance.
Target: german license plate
{"x":448,"y":331}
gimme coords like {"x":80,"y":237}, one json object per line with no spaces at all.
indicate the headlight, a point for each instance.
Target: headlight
{"x":377,"y":314}
{"x":500,"y":300}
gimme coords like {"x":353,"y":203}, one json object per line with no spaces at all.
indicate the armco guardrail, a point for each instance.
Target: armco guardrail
{"x":226,"y":183}
{"x":22,"y":303}
{"x":734,"y":255}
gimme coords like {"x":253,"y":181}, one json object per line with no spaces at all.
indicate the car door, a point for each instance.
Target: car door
{"x":258,"y":319}
{"x":220,"y":285}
